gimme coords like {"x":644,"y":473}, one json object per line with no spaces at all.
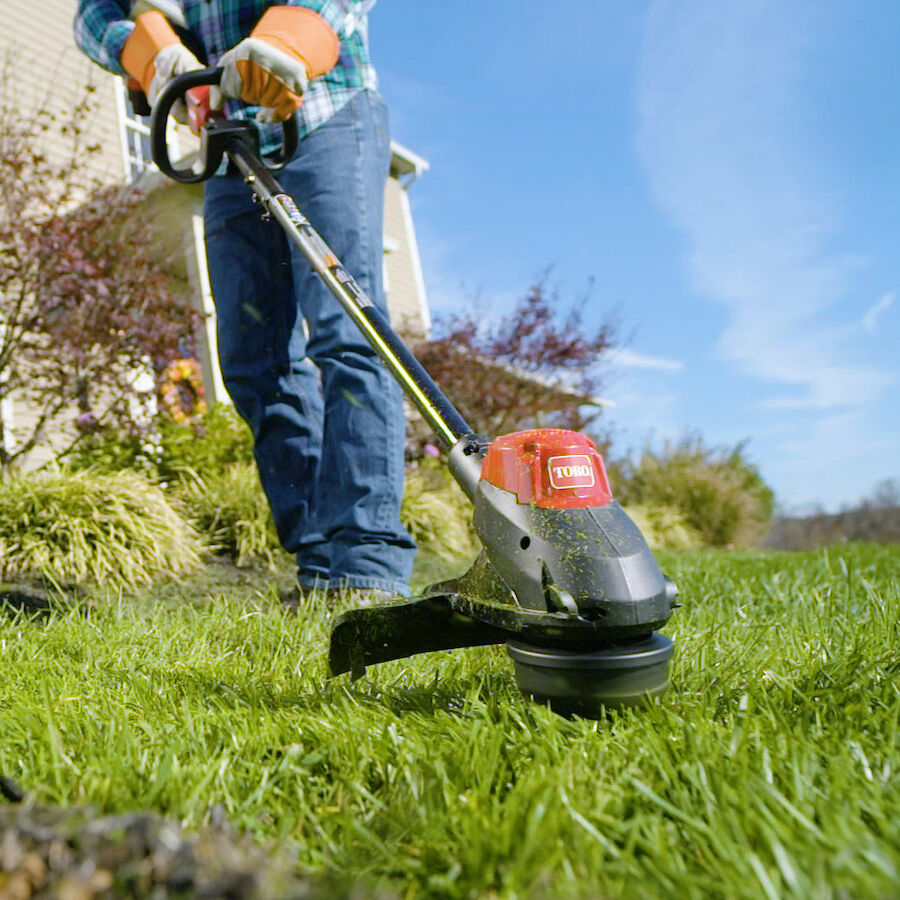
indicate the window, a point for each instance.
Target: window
{"x":135,"y":135}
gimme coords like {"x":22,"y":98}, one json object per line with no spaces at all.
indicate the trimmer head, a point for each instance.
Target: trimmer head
{"x":559,"y":660}
{"x":566,"y":580}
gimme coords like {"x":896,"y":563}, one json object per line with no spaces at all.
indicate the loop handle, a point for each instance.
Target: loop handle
{"x":214,"y":139}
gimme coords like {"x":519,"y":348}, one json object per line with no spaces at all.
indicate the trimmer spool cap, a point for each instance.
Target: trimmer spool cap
{"x":586,"y":682}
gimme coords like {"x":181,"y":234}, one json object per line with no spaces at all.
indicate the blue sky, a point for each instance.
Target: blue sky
{"x":725,"y":171}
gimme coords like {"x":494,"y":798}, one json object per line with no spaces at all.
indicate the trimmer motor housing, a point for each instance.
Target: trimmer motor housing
{"x":549,"y":525}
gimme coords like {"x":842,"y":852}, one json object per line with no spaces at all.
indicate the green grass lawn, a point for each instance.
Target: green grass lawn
{"x":771,"y":768}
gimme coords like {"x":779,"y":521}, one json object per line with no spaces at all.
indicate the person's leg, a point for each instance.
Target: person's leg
{"x":337,"y":179}
{"x":262,"y":350}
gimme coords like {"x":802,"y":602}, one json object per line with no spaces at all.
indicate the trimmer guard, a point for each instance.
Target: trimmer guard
{"x":366,"y":637}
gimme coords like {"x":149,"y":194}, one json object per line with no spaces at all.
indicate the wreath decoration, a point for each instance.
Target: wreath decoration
{"x":181,"y":391}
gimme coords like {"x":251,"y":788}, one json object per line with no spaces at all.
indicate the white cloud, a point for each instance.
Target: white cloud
{"x":870,"y":319}
{"x":721,"y":138}
{"x":623,"y":358}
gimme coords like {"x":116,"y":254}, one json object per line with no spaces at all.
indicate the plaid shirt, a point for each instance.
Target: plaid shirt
{"x":102,"y":27}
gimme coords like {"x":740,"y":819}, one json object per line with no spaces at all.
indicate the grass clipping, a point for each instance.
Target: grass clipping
{"x":117,"y":530}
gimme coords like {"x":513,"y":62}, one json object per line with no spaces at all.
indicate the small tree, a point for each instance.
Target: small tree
{"x":85,"y":308}
{"x":536,"y":367}
{"x":885,"y":495}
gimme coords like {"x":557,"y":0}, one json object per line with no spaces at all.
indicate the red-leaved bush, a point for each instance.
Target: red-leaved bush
{"x":85,"y":307}
{"x":538,"y":366}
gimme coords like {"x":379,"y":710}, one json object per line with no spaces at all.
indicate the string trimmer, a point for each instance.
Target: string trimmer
{"x":565,"y":578}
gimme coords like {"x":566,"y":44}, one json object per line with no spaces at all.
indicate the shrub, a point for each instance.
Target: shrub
{"x":535,"y":367}
{"x":86,"y":302}
{"x":112,"y":529}
{"x":664,"y":527}
{"x":718,"y":492}
{"x":204,"y":447}
{"x":437,"y":513}
{"x":111,"y":451}
{"x":217,"y":439}
{"x":229,"y":508}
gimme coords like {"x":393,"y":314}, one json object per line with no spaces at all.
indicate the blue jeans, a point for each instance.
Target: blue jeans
{"x":326,"y":415}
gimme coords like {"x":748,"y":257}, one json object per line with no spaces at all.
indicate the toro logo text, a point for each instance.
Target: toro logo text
{"x":571,"y":471}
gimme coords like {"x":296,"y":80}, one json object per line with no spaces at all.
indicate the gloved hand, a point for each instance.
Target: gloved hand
{"x":289,"y":46}
{"x":153,"y":56}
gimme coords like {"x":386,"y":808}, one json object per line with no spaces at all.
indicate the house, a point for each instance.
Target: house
{"x":38,"y":44}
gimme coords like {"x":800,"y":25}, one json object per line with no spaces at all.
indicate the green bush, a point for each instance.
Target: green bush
{"x":664,"y":527}
{"x":718,"y":493}
{"x":108,"y":452}
{"x":206,"y":446}
{"x":220,"y":438}
{"x":229,"y":508}
{"x":111,"y":529}
{"x":437,"y":513}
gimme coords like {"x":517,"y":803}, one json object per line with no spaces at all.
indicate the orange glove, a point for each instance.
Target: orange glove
{"x":289,"y":46}
{"x":153,"y":55}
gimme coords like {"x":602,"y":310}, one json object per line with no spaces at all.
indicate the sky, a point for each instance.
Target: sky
{"x":719,"y":177}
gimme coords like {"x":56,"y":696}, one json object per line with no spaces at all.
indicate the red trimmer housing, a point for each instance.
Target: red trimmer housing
{"x":550,"y":467}
{"x":555,"y":536}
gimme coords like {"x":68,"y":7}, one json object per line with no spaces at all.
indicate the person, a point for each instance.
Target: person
{"x":326,"y":415}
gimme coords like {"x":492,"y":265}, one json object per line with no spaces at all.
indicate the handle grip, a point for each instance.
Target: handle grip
{"x":215,"y":134}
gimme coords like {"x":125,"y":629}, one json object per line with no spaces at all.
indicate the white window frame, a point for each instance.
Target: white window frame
{"x":134,"y":138}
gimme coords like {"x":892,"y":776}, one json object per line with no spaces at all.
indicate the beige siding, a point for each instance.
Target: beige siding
{"x":50,"y":70}
{"x":23,"y":419}
{"x":403,"y":291}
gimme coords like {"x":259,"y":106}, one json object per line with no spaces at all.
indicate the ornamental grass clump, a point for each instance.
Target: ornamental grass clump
{"x":664,"y":527}
{"x":228,"y":507}
{"x":437,"y":514}
{"x":117,"y":530}
{"x":719,"y":494}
